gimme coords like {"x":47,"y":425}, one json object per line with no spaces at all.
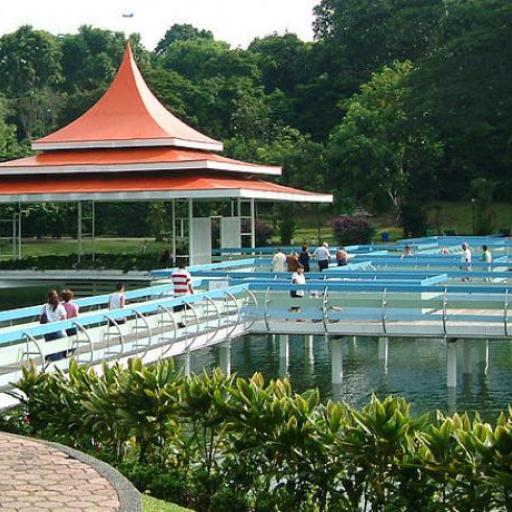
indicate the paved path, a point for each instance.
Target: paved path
{"x":36,"y":477}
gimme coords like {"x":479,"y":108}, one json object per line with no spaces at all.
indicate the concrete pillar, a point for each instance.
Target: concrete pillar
{"x":225,"y":357}
{"x":336,"y":360}
{"x":79,"y":231}
{"x":383,"y":353}
{"x":451,"y":363}
{"x":253,"y":224}
{"x":483,"y":357}
{"x":186,"y":364}
{"x":308,"y":348}
{"x":466,"y":357}
{"x":190,"y":231}
{"x":284,"y":354}
{"x":354,"y":340}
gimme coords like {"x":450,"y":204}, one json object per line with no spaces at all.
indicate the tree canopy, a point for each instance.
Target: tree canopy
{"x":395,"y":102}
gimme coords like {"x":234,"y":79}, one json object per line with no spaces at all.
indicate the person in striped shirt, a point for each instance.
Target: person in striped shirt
{"x":182,"y":281}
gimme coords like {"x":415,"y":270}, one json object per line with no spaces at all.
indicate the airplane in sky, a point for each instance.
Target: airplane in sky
{"x":128,"y":14}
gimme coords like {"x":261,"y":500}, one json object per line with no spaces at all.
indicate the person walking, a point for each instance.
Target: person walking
{"x":341,"y":256}
{"x":292,"y":262}
{"x":118,"y":301}
{"x":279,"y":261}
{"x":407,"y":252}
{"x":466,"y":259}
{"x":304,"y":258}
{"x":53,"y":311}
{"x":182,"y":282}
{"x":486,"y":258}
{"x":298,"y":277}
{"x":322,"y":256}
{"x":71,"y":307}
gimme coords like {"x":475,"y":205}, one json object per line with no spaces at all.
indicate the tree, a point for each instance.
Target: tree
{"x":29,"y":72}
{"x":181,"y":32}
{"x":463,"y":88}
{"x":375,"y":150}
{"x":9,"y":145}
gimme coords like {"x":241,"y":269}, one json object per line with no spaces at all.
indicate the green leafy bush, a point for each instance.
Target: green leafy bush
{"x":215,"y":442}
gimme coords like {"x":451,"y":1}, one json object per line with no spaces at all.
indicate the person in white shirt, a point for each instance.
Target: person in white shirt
{"x":407,"y":252}
{"x":466,"y":259}
{"x":486,"y":258}
{"x":53,"y":311}
{"x":279,"y":261}
{"x":118,"y":301}
{"x":298,"y":277}
{"x":322,"y":255}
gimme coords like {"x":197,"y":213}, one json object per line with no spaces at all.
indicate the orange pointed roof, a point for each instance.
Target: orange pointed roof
{"x":127,"y":115}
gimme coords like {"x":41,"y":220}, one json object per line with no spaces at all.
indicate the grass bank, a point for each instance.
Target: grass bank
{"x":150,"y":504}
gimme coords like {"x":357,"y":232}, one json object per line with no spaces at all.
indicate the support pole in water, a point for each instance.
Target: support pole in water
{"x":225,"y":357}
{"x":383,"y":353}
{"x":186,"y":364}
{"x":466,"y":357}
{"x":308,"y":348}
{"x":336,"y":360}
{"x":284,"y":354}
{"x":483,"y":357}
{"x":451,"y":363}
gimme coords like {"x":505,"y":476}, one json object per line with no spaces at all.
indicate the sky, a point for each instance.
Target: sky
{"x":235,"y":21}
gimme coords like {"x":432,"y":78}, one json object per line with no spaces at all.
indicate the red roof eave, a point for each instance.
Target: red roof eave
{"x":145,"y":186}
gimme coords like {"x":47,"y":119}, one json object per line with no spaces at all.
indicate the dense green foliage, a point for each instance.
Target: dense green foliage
{"x":214,"y":442}
{"x":396,"y":105}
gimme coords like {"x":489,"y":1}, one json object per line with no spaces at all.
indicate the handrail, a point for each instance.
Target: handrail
{"x":83,"y":330}
{"x":166,"y":310}
{"x":265,"y":310}
{"x":112,"y":322}
{"x":232,"y":297}
{"x":140,"y":316}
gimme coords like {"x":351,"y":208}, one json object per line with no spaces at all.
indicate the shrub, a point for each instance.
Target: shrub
{"x":264,"y":233}
{"x":352,"y":230}
{"x":213,"y":442}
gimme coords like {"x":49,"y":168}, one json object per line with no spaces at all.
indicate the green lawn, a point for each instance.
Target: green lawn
{"x":456,"y":216}
{"x":150,"y":504}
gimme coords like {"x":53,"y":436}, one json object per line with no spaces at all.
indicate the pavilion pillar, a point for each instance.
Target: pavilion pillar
{"x":190,"y":231}
{"x":253,"y":224}
{"x":19,"y":231}
{"x":79,"y":231}
{"x":173,"y":213}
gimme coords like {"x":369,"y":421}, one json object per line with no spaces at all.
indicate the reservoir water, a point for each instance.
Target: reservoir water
{"x":416,"y":370}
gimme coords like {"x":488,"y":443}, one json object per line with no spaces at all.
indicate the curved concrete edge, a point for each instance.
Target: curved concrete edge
{"x":129,"y":498}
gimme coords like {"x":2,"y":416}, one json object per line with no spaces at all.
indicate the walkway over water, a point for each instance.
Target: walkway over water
{"x":377,"y":294}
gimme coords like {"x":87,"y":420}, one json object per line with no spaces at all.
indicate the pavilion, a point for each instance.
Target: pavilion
{"x":128,"y":147}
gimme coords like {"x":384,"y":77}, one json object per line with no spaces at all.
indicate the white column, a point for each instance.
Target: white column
{"x":284,"y":354}
{"x":383,"y":353}
{"x":466,"y":357}
{"x":190,"y":230}
{"x":308,"y":349}
{"x":19,"y":231}
{"x":225,"y":357}
{"x":483,"y":357}
{"x":451,"y":363}
{"x":336,"y":360}
{"x":173,"y":215}
{"x":79,"y":231}
{"x":253,"y":224}
{"x":186,"y":364}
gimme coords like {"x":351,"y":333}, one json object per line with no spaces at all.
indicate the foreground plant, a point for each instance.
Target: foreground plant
{"x":215,"y":442}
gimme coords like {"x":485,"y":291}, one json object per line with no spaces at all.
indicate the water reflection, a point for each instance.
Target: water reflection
{"x":415,"y":369}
